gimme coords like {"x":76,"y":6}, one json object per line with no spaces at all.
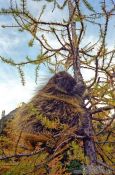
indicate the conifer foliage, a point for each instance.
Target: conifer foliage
{"x":61,"y":148}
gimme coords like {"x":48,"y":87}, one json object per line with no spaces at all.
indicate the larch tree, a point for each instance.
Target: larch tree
{"x":73,"y":53}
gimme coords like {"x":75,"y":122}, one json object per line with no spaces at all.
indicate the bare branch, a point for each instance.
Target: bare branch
{"x":105,"y":108}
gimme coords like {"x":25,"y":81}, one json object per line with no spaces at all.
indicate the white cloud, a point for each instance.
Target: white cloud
{"x":5,"y":43}
{"x":12,"y":93}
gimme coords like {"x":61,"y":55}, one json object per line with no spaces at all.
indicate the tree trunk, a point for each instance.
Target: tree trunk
{"x":85,"y":119}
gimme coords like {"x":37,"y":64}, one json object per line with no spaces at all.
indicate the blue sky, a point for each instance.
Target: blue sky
{"x":14,"y":44}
